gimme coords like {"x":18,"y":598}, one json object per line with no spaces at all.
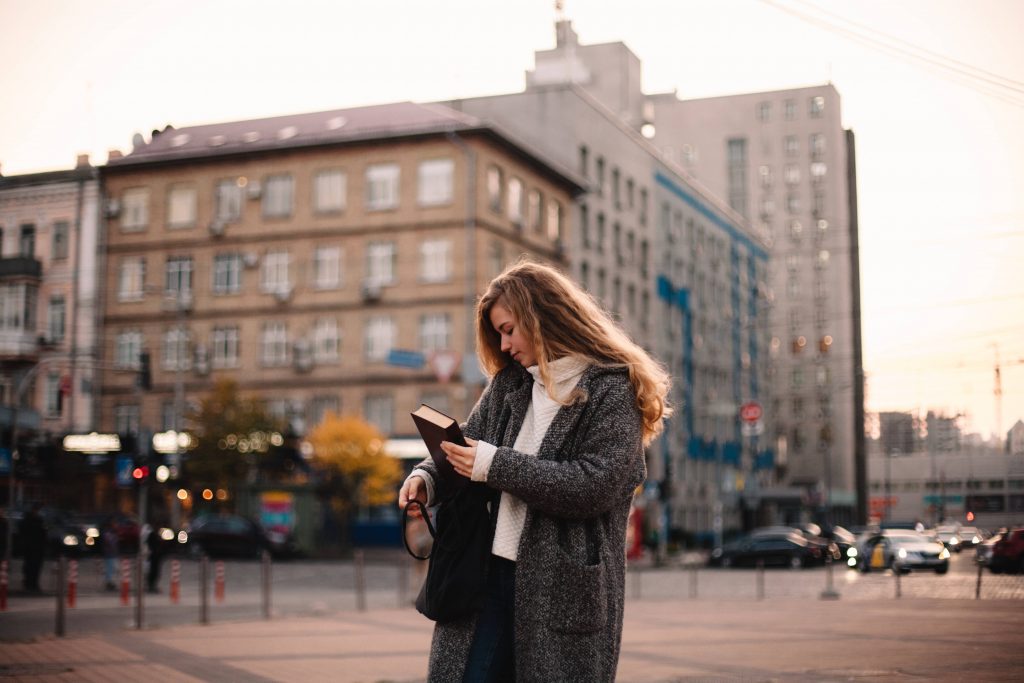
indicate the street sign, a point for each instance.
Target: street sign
{"x":751,"y":411}
{"x":752,"y":428}
{"x":406,"y":359}
{"x":125,"y":464}
{"x":444,"y":363}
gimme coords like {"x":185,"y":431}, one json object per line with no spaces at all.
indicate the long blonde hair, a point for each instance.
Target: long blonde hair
{"x":561,"y":319}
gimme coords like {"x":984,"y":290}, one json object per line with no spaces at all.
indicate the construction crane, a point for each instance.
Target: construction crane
{"x":998,"y":390}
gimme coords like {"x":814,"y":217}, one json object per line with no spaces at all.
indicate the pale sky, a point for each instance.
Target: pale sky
{"x":940,"y":164}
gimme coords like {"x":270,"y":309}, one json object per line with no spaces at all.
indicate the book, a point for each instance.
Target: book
{"x":435,"y":427}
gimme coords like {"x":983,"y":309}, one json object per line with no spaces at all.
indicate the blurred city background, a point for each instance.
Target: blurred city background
{"x":240,"y":242}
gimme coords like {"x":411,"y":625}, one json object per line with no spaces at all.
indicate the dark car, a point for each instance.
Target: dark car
{"x":1008,"y":553}
{"x":810,"y":532}
{"x":786,"y":550}
{"x":226,"y":535}
{"x":63,"y":537}
{"x":902,"y":551}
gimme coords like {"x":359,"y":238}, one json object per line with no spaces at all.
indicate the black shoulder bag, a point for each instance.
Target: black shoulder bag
{"x":457,"y":575}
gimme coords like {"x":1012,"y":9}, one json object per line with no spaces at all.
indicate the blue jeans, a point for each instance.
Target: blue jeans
{"x":492,"y":655}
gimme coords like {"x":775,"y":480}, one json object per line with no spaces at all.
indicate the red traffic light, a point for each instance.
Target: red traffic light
{"x":140,"y":472}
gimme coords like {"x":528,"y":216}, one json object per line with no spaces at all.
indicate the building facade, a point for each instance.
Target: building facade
{"x":326,"y":261}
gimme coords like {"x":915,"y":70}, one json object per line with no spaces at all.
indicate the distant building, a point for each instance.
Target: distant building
{"x":1015,"y":439}
{"x":943,"y":433}
{"x":898,"y":433}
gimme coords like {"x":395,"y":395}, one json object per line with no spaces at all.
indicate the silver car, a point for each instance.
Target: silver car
{"x":902,"y":551}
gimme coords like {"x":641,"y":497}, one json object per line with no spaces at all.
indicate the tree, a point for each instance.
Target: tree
{"x":357,"y":470}
{"x":233,"y":435}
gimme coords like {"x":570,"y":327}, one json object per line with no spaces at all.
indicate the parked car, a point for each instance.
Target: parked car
{"x":787,"y":550}
{"x":983,"y":551}
{"x":950,"y":537}
{"x":971,"y":536}
{"x":1008,"y":552}
{"x":810,"y":532}
{"x":227,"y":535}
{"x":902,"y":551}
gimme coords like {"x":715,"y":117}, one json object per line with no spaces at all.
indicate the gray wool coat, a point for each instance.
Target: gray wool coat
{"x":570,"y":572}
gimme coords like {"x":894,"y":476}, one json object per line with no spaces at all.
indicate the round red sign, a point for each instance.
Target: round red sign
{"x":751,"y":411}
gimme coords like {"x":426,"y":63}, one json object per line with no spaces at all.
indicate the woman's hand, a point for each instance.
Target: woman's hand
{"x":461,"y":457}
{"x":412,"y":489}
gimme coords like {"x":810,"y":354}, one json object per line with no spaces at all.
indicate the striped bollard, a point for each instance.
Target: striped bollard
{"x":72,"y":582}
{"x":175,"y":581}
{"x":3,"y":585}
{"x":126,"y":580}
{"x":218,"y":582}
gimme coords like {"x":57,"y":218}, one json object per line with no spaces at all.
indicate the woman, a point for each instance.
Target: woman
{"x":560,"y":432}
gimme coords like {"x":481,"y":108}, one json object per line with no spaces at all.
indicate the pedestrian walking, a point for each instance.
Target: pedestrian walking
{"x":155,"y":546}
{"x":559,"y":435}
{"x":110,"y":547}
{"x":33,"y":538}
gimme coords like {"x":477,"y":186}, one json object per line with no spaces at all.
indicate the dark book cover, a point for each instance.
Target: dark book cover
{"x":435,"y":427}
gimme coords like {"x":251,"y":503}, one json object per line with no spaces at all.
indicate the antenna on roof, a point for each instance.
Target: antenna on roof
{"x":560,"y":10}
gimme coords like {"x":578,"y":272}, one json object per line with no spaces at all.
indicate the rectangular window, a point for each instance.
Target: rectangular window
{"x":436,"y":182}
{"x":495,"y":183}
{"x":277,"y":196}
{"x":793,"y":204}
{"x":178,"y":276}
{"x":329,"y":190}
{"x":327,"y":267}
{"x":326,"y":340}
{"x":737,"y":150}
{"x":227,"y":273}
{"x":817,"y":145}
{"x":436,"y":260}
{"x":131,"y":278}
{"x":181,"y":206}
{"x":600,"y":175}
{"x":817,"y":107}
{"x":643,"y":206}
{"x":59,"y":252}
{"x":225,"y":347}
{"x":27,"y":241}
{"x":380,"y":263}
{"x":127,"y":348}
{"x":321,"y":405}
{"x":496,"y":258}
{"x":535,"y":211}
{"x":791,"y":145}
{"x":515,"y":201}
{"x":584,"y":161}
{"x":792,"y":174}
{"x":126,"y":419}
{"x":228,"y":200}
{"x":175,"y":349}
{"x":274,"y":277}
{"x":435,"y":331}
{"x":275,"y":344}
{"x":53,"y":395}
{"x":616,"y":188}
{"x":585,"y":225}
{"x":379,"y":411}
{"x":555,"y":220}
{"x":790,"y":110}
{"x":135,"y":209}
{"x":55,"y":318}
{"x":764,"y":112}
{"x":380,"y":337}
{"x":382,"y":186}
{"x":599,"y":240}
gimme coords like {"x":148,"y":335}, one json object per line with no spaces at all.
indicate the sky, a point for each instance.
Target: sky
{"x":940,"y":156}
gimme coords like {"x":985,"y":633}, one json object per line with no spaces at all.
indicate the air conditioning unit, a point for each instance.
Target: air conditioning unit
{"x":254,"y":189}
{"x":217,"y":227}
{"x":371,"y":290}
{"x":113,"y":208}
{"x":283,"y":294}
{"x":250,"y":259}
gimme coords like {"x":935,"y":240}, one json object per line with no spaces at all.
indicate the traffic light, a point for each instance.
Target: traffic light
{"x":140,"y":473}
{"x":145,"y":378}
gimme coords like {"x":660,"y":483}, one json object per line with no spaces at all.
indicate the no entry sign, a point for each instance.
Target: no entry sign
{"x":751,"y":411}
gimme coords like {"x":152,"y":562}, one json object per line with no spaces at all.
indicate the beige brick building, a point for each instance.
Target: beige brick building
{"x":297,"y":254}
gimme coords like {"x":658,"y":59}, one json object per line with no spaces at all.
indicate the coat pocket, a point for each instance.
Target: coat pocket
{"x":579,"y":596}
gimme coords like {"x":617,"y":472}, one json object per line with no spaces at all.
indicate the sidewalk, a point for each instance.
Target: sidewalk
{"x":664,"y":641}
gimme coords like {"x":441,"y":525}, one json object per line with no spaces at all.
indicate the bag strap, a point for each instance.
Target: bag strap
{"x":425,"y":516}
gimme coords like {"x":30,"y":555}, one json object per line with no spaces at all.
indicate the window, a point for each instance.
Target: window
{"x":817,"y":145}
{"x":616,"y":188}
{"x":617,"y":243}
{"x":600,"y":233}
{"x":764,"y":112}
{"x":791,"y":146}
{"x":27,"y":241}
{"x":643,"y":206}
{"x":555,"y":221}
{"x":600,"y":176}
{"x":793,"y":204}
{"x":380,"y":263}
{"x":737,"y":155}
{"x":382,"y":186}
{"x":790,"y":110}
{"x":175,"y":349}
{"x":496,"y":257}
{"x":766,"y":176}
{"x":275,"y":344}
{"x":329,"y":191}
{"x":327,"y":267}
{"x":321,"y":405}
{"x":225,"y":347}
{"x":131,"y":278}
{"x":436,"y":260}
{"x":585,"y":275}
{"x":797,"y":378}
{"x":817,"y":107}
{"x":326,"y":340}
{"x":181,"y":206}
{"x":53,"y":395}
{"x":379,"y":411}
{"x":822,"y":375}
{"x":792,"y":174}
{"x":584,"y":161}
{"x":277,"y":196}
{"x":275,"y":271}
{"x":55,"y":317}
{"x":535,"y":211}
{"x":437,"y":399}
{"x":818,"y":170}
{"x":227,"y":273}
{"x":630,"y":194}
{"x":126,"y":419}
{"x":59,"y":251}
{"x":435,"y":329}
{"x":436,"y":178}
{"x":585,"y":225}
{"x":135,"y":209}
{"x":494,"y":187}
{"x":228,"y":200}
{"x":380,"y":337}
{"x":127,"y":348}
{"x":819,"y":203}
{"x":178,"y":276}
{"x":795,"y":229}
{"x":515,"y":201}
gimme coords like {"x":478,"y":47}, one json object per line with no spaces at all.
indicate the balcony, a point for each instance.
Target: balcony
{"x":18,"y":345}
{"x":20,"y":267}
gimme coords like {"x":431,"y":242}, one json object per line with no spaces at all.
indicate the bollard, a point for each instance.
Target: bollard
{"x":693,"y":581}
{"x":175,"y":592}
{"x":140,"y":579}
{"x":126,"y":580}
{"x":218,"y":581}
{"x":265,"y":568}
{"x":204,"y":605}
{"x":896,"y":572}
{"x":830,"y":593}
{"x":360,"y":561}
{"x":977,"y":587}
{"x":3,"y":585}
{"x":61,"y":570}
{"x":72,"y":582}
{"x":760,"y":579}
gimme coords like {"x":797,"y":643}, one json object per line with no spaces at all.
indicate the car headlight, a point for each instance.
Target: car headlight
{"x":902,"y":552}
{"x":851,"y":552}
{"x":852,"y":562}
{"x":166,"y":534}
{"x":954,"y":541}
{"x":89,"y":540}
{"x":182,"y":536}
{"x":92,"y":532}
{"x":70,"y":540}
{"x":944,"y":555}
{"x":976,"y":540}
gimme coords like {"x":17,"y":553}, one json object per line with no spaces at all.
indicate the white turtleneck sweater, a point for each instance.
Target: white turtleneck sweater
{"x":565,"y":373}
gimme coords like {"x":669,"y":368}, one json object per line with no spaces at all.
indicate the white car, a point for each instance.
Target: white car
{"x":902,"y":551}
